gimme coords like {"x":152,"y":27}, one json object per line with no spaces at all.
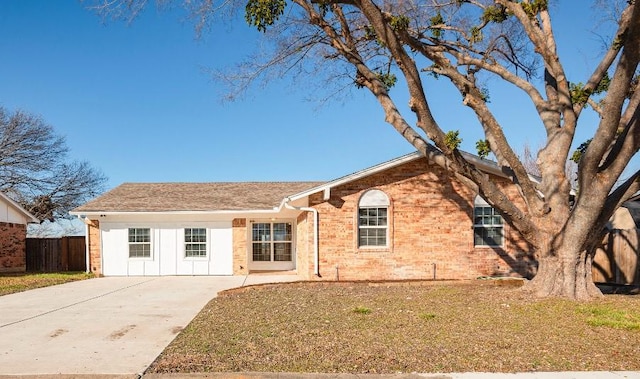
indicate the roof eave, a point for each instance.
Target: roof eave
{"x":158,"y":213}
{"x":357,"y":175}
{"x":482,"y":164}
{"x":30,"y":218}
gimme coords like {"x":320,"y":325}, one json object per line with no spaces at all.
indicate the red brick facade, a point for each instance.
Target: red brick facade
{"x":430,"y":222}
{"x":13,"y":247}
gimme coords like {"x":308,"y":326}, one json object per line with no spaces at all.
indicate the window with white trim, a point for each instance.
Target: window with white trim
{"x":139,"y":243}
{"x":195,"y":242}
{"x":272,"y":242}
{"x":373,"y":228}
{"x":488,"y":227}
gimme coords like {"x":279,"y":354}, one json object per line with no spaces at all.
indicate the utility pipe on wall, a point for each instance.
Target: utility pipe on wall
{"x":86,"y":244}
{"x":316,"y":260}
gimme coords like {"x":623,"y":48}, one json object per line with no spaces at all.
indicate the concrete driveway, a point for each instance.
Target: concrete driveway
{"x":116,"y":325}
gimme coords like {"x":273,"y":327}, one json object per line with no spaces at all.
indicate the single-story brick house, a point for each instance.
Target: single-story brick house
{"x":13,"y":235}
{"x":402,"y":219}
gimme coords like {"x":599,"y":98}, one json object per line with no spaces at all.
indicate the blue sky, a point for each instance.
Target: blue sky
{"x":136,"y":101}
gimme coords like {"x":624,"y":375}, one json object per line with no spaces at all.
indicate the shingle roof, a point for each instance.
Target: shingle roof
{"x":171,"y":197}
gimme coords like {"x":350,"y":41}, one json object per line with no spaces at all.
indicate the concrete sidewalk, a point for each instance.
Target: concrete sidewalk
{"x":252,"y":375}
{"x":469,"y":375}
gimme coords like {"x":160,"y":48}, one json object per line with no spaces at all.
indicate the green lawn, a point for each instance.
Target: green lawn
{"x":405,"y":327}
{"x":10,"y":283}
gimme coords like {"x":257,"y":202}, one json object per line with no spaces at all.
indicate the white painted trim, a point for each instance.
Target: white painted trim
{"x":482,"y":164}
{"x":25,"y":213}
{"x":207,"y":244}
{"x":151,"y":244}
{"x":245,"y":213}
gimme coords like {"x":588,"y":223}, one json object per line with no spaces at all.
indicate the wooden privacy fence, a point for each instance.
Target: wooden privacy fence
{"x":56,"y":254}
{"x":617,"y":260}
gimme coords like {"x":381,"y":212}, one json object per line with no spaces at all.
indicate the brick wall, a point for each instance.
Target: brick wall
{"x":240,"y":264}
{"x":13,"y":257}
{"x":95,"y":250}
{"x":304,"y":245}
{"x":430,"y":231}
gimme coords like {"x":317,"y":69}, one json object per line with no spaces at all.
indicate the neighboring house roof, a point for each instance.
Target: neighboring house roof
{"x":18,"y":208}
{"x":175,"y":197}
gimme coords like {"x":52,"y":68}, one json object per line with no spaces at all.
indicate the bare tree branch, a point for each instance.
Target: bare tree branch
{"x":34,"y":170}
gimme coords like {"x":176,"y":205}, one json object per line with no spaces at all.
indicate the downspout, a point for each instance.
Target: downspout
{"x":316,"y":260}
{"x":86,"y":244}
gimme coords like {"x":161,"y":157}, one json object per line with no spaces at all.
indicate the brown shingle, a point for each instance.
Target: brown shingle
{"x":167,"y":197}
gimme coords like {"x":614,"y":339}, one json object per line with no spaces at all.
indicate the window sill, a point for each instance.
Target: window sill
{"x":373,"y":249}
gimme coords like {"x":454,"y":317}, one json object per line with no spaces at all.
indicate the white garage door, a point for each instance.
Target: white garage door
{"x":167,"y":249}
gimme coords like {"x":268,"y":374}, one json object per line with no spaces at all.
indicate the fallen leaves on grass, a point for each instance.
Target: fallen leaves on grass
{"x":435,"y":327}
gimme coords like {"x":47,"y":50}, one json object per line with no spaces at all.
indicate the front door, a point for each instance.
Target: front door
{"x":272,"y":245}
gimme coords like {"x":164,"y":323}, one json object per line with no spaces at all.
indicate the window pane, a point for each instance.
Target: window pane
{"x":139,"y":250}
{"x":262,"y":252}
{"x":195,"y":250}
{"x":282,"y":252}
{"x":261,"y":232}
{"x":494,"y":236}
{"x":478,"y":239}
{"x":139,"y":235}
{"x":282,"y":231}
{"x":373,"y":237}
{"x":487,"y":236}
{"x":363,"y":217}
{"x":195,"y":235}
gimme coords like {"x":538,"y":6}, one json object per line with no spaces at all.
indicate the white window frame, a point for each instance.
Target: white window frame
{"x":187,"y":243}
{"x":480,"y":203}
{"x":272,"y":241}
{"x":373,"y":199}
{"x":140,"y":243}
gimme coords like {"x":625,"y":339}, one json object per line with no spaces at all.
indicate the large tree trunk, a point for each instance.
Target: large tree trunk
{"x":567,"y":273}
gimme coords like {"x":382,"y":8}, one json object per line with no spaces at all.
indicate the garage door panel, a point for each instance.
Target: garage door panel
{"x":222,"y":250}
{"x":115,"y":251}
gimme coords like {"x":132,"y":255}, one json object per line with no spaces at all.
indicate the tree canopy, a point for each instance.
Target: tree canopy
{"x":383,"y":44}
{"x":35,"y":170}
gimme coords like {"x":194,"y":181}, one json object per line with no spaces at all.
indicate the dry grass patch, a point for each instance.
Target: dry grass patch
{"x":433,"y":327}
{"x":10,"y":283}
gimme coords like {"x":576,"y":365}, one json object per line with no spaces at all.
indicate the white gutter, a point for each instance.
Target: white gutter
{"x":173,"y":213}
{"x":316,"y":260}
